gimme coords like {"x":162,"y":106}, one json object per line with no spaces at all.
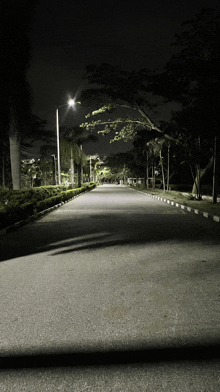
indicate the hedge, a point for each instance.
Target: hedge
{"x":14,"y":207}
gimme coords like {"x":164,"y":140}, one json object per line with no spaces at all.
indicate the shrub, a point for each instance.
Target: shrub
{"x":19,"y":205}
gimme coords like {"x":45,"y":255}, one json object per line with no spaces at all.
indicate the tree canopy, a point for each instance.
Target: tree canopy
{"x":124,"y":96}
{"x":15,"y":52}
{"x":192,"y":76}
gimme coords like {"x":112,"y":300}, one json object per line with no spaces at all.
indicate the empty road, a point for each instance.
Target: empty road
{"x":113,"y":291}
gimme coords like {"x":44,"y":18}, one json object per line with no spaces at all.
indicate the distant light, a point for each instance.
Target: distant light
{"x":71,"y":102}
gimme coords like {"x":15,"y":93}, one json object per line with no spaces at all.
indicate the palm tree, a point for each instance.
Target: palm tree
{"x":72,"y":140}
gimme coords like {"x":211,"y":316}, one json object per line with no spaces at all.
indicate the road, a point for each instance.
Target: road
{"x":113,"y":291}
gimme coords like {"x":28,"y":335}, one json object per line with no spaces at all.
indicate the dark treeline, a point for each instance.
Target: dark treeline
{"x":191,"y":80}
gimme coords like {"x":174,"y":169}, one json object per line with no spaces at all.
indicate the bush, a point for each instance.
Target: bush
{"x":19,"y":205}
{"x":26,"y":194}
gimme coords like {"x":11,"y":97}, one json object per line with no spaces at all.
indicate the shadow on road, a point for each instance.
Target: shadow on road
{"x":196,"y":353}
{"x":95,"y":231}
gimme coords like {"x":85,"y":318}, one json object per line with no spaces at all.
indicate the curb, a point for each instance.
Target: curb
{"x":183,"y":207}
{"x":37,"y":216}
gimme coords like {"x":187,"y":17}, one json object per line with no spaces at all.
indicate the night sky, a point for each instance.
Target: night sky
{"x":67,"y":35}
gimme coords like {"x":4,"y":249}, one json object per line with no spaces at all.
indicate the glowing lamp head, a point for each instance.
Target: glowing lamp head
{"x":71,"y":102}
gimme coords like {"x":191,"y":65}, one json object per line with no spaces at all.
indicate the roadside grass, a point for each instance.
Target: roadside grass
{"x":185,"y":199}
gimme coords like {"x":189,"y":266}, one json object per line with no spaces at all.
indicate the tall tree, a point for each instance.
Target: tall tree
{"x":192,"y":78}
{"x":15,"y":100}
{"x":72,"y":141}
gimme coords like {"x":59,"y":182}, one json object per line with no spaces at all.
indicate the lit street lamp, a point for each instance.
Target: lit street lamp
{"x":71,"y":102}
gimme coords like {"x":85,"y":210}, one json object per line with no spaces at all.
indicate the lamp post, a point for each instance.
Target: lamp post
{"x":71,"y":102}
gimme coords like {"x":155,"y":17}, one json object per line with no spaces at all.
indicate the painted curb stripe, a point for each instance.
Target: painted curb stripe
{"x":185,"y":208}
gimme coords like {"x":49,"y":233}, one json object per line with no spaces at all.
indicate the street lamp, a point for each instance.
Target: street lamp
{"x":70,"y":103}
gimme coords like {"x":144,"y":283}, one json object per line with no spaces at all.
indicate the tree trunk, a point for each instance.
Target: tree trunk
{"x":15,"y":161}
{"x":14,"y":144}
{"x":197,"y":183}
{"x":168,"y":167}
{"x":79,"y":169}
{"x":54,"y":181}
{"x":163,"y":177}
{"x":79,"y":172}
{"x":72,"y":170}
{"x":147,"y":171}
{"x":90,"y":169}
{"x":215,"y":177}
{"x":196,"y":190}
{"x":82,"y":180}
{"x":3,"y":171}
{"x":153,"y":175}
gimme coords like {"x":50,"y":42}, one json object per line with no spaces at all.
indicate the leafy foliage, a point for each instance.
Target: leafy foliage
{"x":14,"y":206}
{"x":191,"y":77}
{"x":124,"y":95}
{"x":15,"y":53}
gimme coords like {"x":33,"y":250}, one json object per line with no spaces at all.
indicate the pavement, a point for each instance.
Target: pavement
{"x":113,"y":291}
{"x":205,"y":214}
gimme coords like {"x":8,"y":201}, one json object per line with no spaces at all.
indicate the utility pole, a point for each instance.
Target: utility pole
{"x":72,"y":166}
{"x":58,"y":148}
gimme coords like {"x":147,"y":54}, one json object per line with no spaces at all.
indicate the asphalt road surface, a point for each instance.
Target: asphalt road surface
{"x":113,"y":291}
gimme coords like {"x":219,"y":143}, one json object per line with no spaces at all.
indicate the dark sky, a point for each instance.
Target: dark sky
{"x":67,"y":35}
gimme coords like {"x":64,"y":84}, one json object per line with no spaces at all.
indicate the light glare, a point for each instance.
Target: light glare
{"x":71,"y":102}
